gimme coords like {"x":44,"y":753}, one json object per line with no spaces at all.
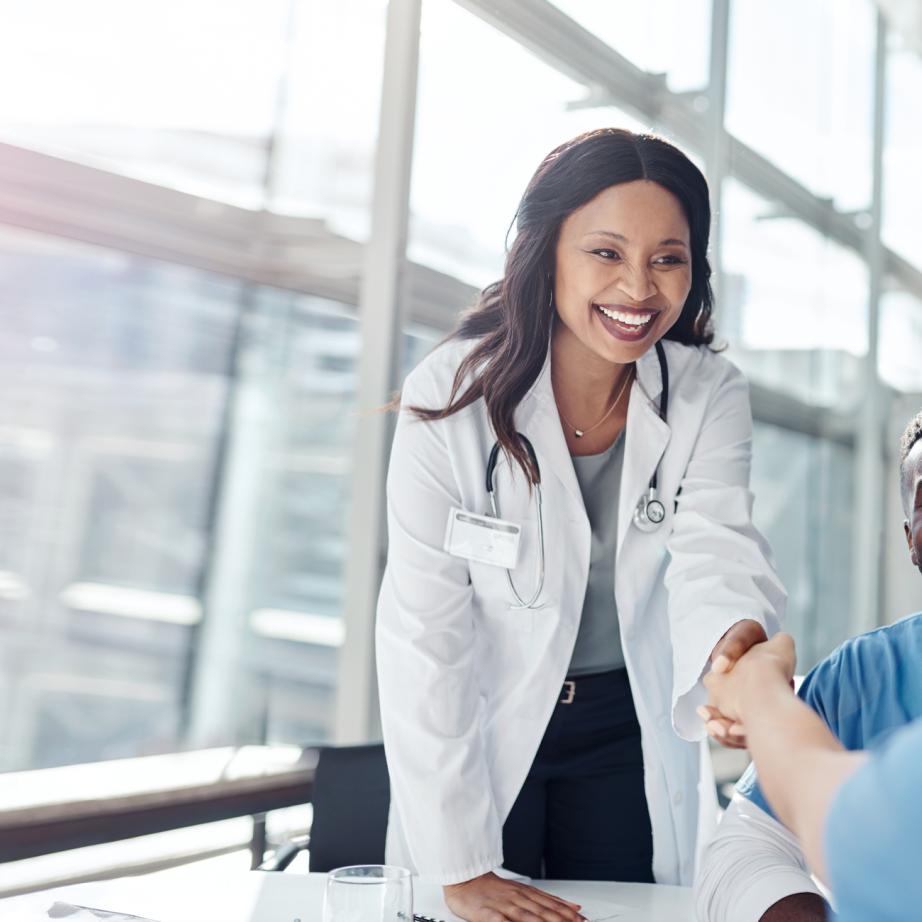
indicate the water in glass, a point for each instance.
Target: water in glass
{"x":368,"y":893}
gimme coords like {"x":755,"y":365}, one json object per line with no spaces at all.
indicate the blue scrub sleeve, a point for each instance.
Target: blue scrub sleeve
{"x":873,"y":835}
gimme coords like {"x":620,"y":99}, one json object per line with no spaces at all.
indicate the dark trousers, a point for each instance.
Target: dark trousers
{"x":582,"y":812}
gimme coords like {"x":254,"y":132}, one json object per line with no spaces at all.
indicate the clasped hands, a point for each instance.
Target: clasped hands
{"x":742,"y":663}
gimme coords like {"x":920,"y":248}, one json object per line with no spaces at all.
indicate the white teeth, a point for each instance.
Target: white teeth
{"x":632,"y":320}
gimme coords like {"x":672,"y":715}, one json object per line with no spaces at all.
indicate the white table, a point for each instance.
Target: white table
{"x":179,"y":895}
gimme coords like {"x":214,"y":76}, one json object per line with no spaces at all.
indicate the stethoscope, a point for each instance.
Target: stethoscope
{"x":649,"y":513}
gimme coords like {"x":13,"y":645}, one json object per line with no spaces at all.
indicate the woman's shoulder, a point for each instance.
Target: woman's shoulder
{"x":702,"y":365}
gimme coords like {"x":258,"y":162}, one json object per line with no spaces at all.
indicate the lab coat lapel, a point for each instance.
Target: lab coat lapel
{"x":646,"y":437}
{"x":540,"y":422}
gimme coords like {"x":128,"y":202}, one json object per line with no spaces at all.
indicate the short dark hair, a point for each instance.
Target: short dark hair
{"x":911,"y":434}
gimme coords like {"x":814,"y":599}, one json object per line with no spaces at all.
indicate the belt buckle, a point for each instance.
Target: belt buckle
{"x":568,"y":692}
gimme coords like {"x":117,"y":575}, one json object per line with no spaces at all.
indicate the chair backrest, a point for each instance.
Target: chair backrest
{"x":351,"y":798}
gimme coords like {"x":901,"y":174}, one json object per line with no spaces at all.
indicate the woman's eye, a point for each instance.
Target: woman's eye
{"x":606,"y":254}
{"x":670,"y":261}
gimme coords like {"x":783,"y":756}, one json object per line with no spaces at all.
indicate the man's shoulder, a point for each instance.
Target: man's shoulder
{"x":857,"y":689}
{"x":866,"y":655}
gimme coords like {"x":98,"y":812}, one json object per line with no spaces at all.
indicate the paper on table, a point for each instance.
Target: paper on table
{"x":74,"y":913}
{"x":593,"y":910}
{"x":601,"y":911}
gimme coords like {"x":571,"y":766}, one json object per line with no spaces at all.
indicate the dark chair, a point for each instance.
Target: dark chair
{"x":351,"y":798}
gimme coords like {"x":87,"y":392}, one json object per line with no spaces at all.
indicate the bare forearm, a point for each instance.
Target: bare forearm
{"x":801,"y":764}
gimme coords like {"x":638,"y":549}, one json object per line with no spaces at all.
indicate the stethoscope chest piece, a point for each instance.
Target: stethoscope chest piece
{"x":650,"y":512}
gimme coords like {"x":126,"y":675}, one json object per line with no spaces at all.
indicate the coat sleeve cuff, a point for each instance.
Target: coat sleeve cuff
{"x":689,"y":692}
{"x":761,"y":894}
{"x":469,"y":872}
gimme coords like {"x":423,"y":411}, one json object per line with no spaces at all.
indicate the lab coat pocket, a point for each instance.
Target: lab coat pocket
{"x":495,"y":600}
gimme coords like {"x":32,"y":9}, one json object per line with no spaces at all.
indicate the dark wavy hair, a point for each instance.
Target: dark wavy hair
{"x":513,"y":317}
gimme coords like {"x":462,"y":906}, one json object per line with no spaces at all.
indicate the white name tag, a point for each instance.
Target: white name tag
{"x":482,"y":538}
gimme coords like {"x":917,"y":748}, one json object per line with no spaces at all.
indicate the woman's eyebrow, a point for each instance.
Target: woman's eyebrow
{"x":669,"y":241}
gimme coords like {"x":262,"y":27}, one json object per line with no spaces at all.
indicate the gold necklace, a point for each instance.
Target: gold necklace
{"x":579,"y":433}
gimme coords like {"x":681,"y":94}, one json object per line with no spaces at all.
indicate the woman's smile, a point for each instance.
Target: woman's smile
{"x":626,"y":323}
{"x":625,"y":254}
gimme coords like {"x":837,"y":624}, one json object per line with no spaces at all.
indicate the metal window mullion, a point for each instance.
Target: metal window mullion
{"x":381,"y":307}
{"x":870,"y":506}
{"x":716,"y":156}
{"x":612,"y":79}
{"x":215,"y":678}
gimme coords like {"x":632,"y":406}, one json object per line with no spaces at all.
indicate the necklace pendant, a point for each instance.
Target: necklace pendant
{"x":578,"y":433}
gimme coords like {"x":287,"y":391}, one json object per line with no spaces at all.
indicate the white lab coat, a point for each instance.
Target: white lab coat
{"x":467,"y":685}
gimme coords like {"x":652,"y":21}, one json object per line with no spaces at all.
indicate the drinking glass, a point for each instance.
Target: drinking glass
{"x":368,"y":893}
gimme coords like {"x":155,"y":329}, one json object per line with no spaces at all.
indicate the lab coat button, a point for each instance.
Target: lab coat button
{"x":677,"y":798}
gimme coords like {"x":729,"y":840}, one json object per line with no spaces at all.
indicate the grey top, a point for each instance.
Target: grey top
{"x":598,"y":643}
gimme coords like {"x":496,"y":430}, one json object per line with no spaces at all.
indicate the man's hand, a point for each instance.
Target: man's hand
{"x":734,"y":643}
{"x":764,"y":665}
{"x":489,"y":898}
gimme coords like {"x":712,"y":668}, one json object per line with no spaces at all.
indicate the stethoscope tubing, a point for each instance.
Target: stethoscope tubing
{"x":648,"y":516}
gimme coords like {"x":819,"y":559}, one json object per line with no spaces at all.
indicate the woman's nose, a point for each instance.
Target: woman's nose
{"x":637,"y":283}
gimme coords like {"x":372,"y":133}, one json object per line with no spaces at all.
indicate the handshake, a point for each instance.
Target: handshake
{"x":744,"y":671}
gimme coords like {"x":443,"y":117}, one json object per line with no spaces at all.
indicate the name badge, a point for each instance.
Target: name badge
{"x":482,"y":538}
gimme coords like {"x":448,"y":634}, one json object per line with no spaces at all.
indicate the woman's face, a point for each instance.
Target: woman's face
{"x":623,"y":270}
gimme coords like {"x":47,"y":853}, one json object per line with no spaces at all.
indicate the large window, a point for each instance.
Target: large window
{"x":470,"y":169}
{"x":902,"y":195}
{"x":177,"y":433}
{"x":802,"y":486}
{"x":115,"y":378}
{"x":794,"y":303}
{"x":800,"y":91}
{"x":670,"y":37}
{"x":328,"y":113}
{"x":179,"y":93}
{"x":145,"y":402}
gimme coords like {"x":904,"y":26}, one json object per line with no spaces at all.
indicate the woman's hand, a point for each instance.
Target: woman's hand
{"x":766,"y":665}
{"x":734,"y":643}
{"x":489,"y":898}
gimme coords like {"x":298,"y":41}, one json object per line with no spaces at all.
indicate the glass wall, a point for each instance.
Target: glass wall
{"x":670,"y":37}
{"x":182,"y":94}
{"x":115,"y":374}
{"x":794,"y":303}
{"x":177,"y":432}
{"x":467,"y":176}
{"x":902,"y":193}
{"x":803,"y":487}
{"x":800,"y":87}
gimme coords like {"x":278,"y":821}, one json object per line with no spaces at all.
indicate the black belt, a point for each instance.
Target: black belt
{"x":568,"y":690}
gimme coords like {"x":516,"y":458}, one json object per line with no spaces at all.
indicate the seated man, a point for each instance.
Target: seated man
{"x":858,"y":814}
{"x":754,"y":868}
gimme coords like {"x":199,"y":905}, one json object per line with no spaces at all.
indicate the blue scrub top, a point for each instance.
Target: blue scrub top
{"x":873,"y":835}
{"x":868,"y":688}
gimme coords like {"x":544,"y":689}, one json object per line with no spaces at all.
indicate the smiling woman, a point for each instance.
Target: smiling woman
{"x":541,"y":733}
{"x":615,"y":294}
